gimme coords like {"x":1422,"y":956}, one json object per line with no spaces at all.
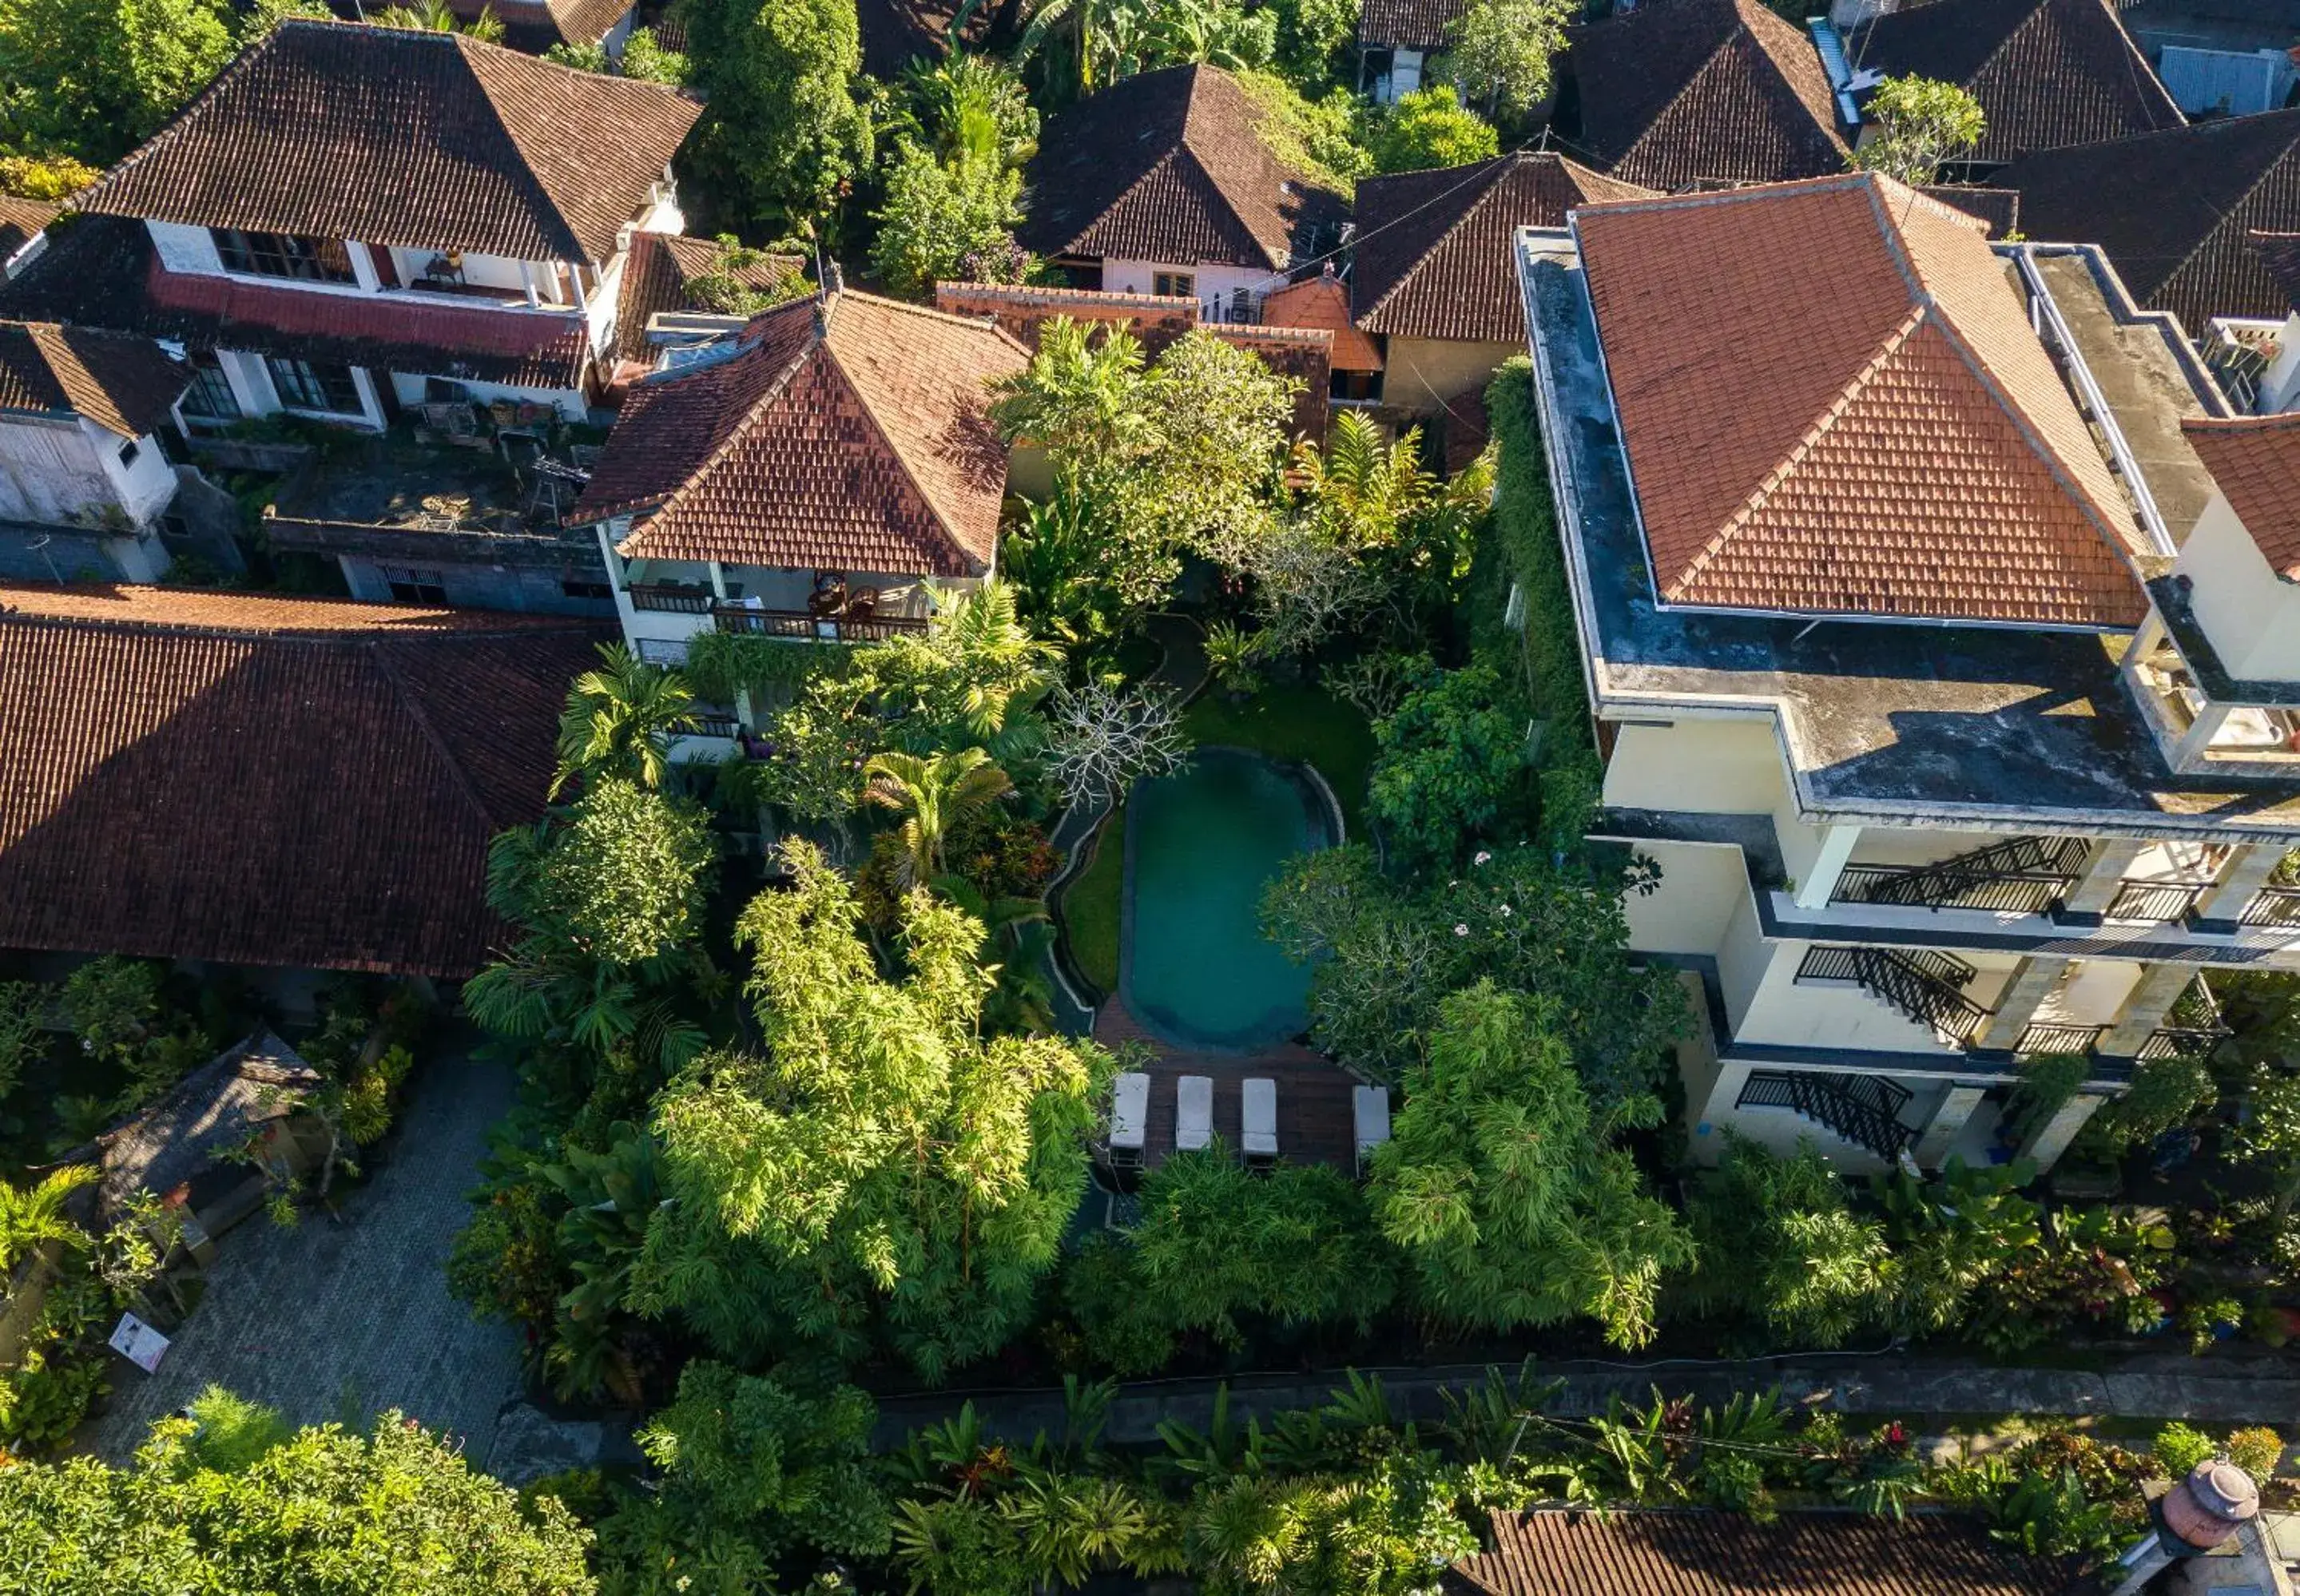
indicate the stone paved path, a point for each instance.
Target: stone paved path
{"x":337,"y":1319}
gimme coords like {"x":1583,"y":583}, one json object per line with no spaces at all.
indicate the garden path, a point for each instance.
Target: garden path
{"x":340,"y":1318}
{"x":1314,"y":1123}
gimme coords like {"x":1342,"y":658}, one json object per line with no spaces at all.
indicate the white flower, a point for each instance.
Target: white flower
{"x":1505,"y":909}
{"x":1460,"y":929}
{"x":1483,"y":857}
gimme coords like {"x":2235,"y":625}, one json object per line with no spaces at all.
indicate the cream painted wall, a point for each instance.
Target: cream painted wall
{"x":1702,"y":883}
{"x":2091,"y":992}
{"x":1742,"y":960}
{"x":1901,"y":845}
{"x":1697,"y":767}
{"x":1134,"y":277}
{"x":1793,"y":1014}
{"x":1422,"y":374}
{"x":2251,"y":614}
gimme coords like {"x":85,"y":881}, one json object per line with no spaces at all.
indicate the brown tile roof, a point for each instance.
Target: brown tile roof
{"x":855,"y":439}
{"x":1168,"y":166}
{"x":264,"y":780}
{"x":21,"y":221}
{"x":2255,"y":461}
{"x":2047,"y":72}
{"x":1862,"y":424}
{"x":2174,"y":211}
{"x":123,"y":384}
{"x":1021,"y":309}
{"x":2280,"y":253}
{"x":657,"y":273}
{"x":102,"y":271}
{"x":396,"y":136}
{"x":1695,"y":1553}
{"x":1409,"y":24}
{"x":1689,"y":91}
{"x":1433,"y":258}
{"x":1324,"y":301}
{"x":534,"y":26}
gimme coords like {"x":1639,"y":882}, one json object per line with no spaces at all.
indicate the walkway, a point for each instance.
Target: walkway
{"x":1314,"y":1123}
{"x":340,"y":1318}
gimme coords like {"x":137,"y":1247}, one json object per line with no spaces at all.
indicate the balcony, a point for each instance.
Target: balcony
{"x":670,"y":599}
{"x":2192,"y":1029}
{"x":2018,"y":875}
{"x":834,"y":627}
{"x":1864,"y":1109}
{"x":1925,"y":987}
{"x":2274,"y":907}
{"x":2059,"y":1039}
{"x":2156,"y":902}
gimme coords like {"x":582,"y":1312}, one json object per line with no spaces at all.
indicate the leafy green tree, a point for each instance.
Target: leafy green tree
{"x":396,"y":1512}
{"x":784,"y":131}
{"x":232,"y":1432}
{"x":948,"y":220}
{"x":1780,"y":1246}
{"x":879,"y":1170}
{"x":1313,"y":39}
{"x":2268,"y":1136}
{"x":1504,"y":1186}
{"x":45,"y":177}
{"x":1503,"y":52}
{"x":1953,"y":1237}
{"x":619,"y":719}
{"x":644,"y":58}
{"x":627,"y":874}
{"x":1914,"y":126}
{"x":1430,"y":128}
{"x":1379,"y":1530}
{"x":34,"y":1217}
{"x":437,"y":16}
{"x":92,"y":78}
{"x":1452,"y":761}
{"x":965,"y":105}
{"x":932,"y":795}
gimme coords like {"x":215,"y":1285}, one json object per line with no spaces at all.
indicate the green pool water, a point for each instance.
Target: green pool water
{"x":1200,"y":847}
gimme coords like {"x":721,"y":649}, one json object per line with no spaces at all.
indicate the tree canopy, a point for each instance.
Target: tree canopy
{"x":91,"y":79}
{"x":784,"y":131}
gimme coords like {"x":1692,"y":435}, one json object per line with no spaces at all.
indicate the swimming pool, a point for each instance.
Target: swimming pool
{"x":1200,"y":847}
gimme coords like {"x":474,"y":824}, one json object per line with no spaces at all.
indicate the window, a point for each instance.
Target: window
{"x":316,"y":385}
{"x":1174,"y":285}
{"x":1356,"y":387}
{"x":570,"y":588}
{"x":129,"y":450}
{"x":209,"y":397}
{"x":284,"y":254}
{"x":415,"y":583}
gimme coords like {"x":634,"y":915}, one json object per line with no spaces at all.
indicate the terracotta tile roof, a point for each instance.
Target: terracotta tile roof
{"x":1433,"y":257}
{"x":2047,"y":72}
{"x":1862,"y":424}
{"x":102,"y":271}
{"x":394,"y":135}
{"x":656,"y":274}
{"x":2174,"y":211}
{"x":1689,"y":91}
{"x":1409,"y":24}
{"x":21,"y":221}
{"x":1325,"y":302}
{"x":1697,"y":1553}
{"x":123,"y":384}
{"x":855,"y":441}
{"x":261,"y":780}
{"x":2255,"y":461}
{"x":534,"y":26}
{"x":1168,"y":166}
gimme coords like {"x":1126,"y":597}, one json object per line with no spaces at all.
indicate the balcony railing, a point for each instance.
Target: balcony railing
{"x":677,"y":601}
{"x":2156,"y":902}
{"x":2273,"y":906}
{"x":713,"y":724}
{"x":1864,"y":1109}
{"x":800,"y":623}
{"x":1925,"y":987}
{"x":2191,"y":1029}
{"x":2004,"y":894}
{"x":2059,"y":1039}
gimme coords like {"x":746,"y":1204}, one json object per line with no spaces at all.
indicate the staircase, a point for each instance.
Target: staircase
{"x":2022,"y":875}
{"x":1863,"y":1109}
{"x":1927,"y":987}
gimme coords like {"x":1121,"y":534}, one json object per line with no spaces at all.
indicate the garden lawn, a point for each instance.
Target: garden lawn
{"x":1092,"y":904}
{"x":1296,"y":722}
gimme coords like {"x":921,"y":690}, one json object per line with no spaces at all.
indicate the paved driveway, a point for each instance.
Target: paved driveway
{"x":340,"y":1318}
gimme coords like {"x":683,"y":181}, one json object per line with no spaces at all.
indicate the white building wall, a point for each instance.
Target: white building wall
{"x":1690,"y":912}
{"x":145,"y":485}
{"x":2251,"y":614}
{"x":51,"y":471}
{"x":408,"y":388}
{"x":1738,"y":764}
{"x":182,"y":248}
{"x":1134,"y":277}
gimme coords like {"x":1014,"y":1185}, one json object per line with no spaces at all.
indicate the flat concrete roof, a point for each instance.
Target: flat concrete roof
{"x":1882,"y":722}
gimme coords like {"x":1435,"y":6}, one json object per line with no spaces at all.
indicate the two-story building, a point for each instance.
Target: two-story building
{"x":352,"y":220}
{"x":1938,"y":625}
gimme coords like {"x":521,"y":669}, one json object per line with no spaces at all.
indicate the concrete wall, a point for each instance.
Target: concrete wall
{"x":2251,"y":614}
{"x":1738,"y":763}
{"x":478,"y":587}
{"x":1702,"y":886}
{"x":1422,"y":374}
{"x":408,"y":387}
{"x":70,"y":555}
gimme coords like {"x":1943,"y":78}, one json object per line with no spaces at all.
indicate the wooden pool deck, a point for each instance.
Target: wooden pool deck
{"x":1313,"y":1093}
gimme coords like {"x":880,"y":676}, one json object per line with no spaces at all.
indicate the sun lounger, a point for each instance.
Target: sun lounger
{"x":1370,"y":1116}
{"x":1130,"y":1116}
{"x":1259,"y":1119}
{"x":1193,"y":1112}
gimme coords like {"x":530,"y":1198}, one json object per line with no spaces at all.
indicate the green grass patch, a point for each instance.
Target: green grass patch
{"x":1091,"y":905}
{"x":1296,"y":722}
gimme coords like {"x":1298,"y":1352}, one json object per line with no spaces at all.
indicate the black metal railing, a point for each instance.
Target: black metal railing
{"x":2193,"y":1026}
{"x":1864,"y":1109}
{"x":2023,"y":875}
{"x":2273,"y":906}
{"x":1927,"y":987}
{"x":2058,"y":1039}
{"x":800,"y":623}
{"x":2156,"y":902}
{"x":674,"y":600}
{"x":713,"y":726}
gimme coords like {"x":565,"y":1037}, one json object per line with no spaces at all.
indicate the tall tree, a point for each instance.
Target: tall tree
{"x":1781,"y":1246}
{"x":1503,"y":51}
{"x":784,"y":130}
{"x":1916,"y":125}
{"x":93,"y":79}
{"x":931,"y":795}
{"x":619,"y":719}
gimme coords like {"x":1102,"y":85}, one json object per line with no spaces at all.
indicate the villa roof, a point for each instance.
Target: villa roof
{"x":537,"y":25}
{"x":2047,"y":72}
{"x":1697,"y":1552}
{"x":1324,"y":302}
{"x":1409,"y":24}
{"x":658,"y":275}
{"x":2175,"y":211}
{"x":1433,"y":258}
{"x":124,"y":385}
{"x":2280,"y":253}
{"x":1698,"y":91}
{"x":1169,"y":166}
{"x":402,"y":137}
{"x":1863,"y":424}
{"x":264,"y":780}
{"x":205,"y":1116}
{"x":850,"y":433}
{"x":21,"y":221}
{"x":2255,"y":462}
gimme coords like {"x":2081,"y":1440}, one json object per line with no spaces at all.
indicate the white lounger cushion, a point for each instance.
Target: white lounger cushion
{"x":1193,"y":1112}
{"x":1130,"y":1111}
{"x":1258,"y":1127}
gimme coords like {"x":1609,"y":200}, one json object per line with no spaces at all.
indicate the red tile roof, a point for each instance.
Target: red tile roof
{"x":270,"y":781}
{"x":1433,"y":258}
{"x":1169,"y":166}
{"x":658,"y":272}
{"x":123,"y":384}
{"x":394,"y":136}
{"x":535,"y":26}
{"x":1325,"y":302}
{"x":2255,"y":461}
{"x":855,"y":439}
{"x":1645,"y":1552}
{"x":1862,"y":424}
{"x":1695,"y":91}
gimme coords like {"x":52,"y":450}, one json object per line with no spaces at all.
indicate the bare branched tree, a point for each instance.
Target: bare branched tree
{"x":1102,"y":739}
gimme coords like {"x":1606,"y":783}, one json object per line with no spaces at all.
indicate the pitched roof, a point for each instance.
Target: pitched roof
{"x":1169,"y":166}
{"x":2046,"y":72}
{"x":1998,"y":208}
{"x":398,"y":136}
{"x":264,"y":780}
{"x":21,"y":221}
{"x":658,"y":275}
{"x":2255,"y":461}
{"x":1695,"y":90}
{"x":1864,"y":423}
{"x":123,"y":384}
{"x":536,"y":25}
{"x":2280,"y":253}
{"x":2175,"y":209}
{"x":102,"y":271}
{"x":1433,"y":257}
{"x":1324,"y":302}
{"x":849,"y":434}
{"x":1647,"y":1552}
{"x":1409,"y":24}
{"x":204,"y":1117}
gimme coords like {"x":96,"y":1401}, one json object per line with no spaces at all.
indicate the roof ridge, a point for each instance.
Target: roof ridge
{"x":1230,"y":204}
{"x":1740,"y":27}
{"x":1497,"y":166}
{"x":2267,"y":171}
{"x":529,"y":177}
{"x":937,"y":313}
{"x":909,"y":475}
{"x":819,"y":339}
{"x":412,"y":704}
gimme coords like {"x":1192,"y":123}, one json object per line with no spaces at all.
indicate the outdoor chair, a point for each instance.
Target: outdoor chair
{"x":1130,"y":1119}
{"x":1193,"y":1112}
{"x":1258,"y":1122}
{"x":1370,"y":1119}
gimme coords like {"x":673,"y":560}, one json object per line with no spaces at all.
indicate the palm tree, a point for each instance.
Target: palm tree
{"x":437,"y":16}
{"x":1077,"y":399}
{"x":619,"y":719}
{"x":1243,"y":1530}
{"x":932,"y":795}
{"x":33,"y":1216}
